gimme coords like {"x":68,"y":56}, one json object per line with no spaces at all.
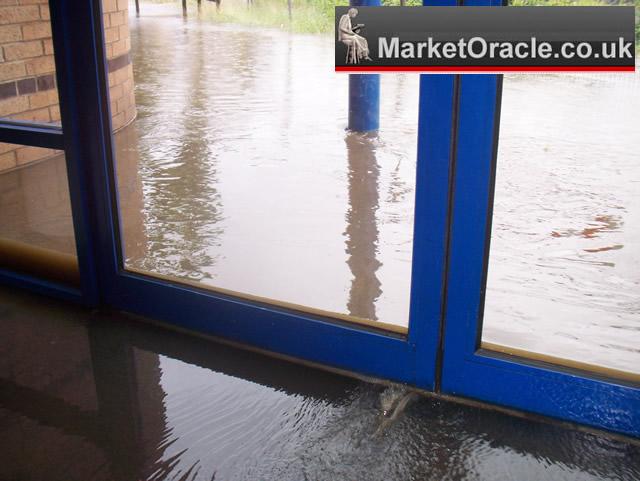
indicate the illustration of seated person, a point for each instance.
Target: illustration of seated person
{"x":357,"y":46}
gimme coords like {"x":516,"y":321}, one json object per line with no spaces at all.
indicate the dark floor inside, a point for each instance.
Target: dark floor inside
{"x":88,"y":395}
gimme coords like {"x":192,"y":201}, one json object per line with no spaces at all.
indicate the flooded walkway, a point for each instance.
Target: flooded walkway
{"x":250,"y":181}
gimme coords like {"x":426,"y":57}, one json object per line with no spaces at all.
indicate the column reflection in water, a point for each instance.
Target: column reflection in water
{"x":564,"y":269}
{"x":362,"y":230}
{"x":247,"y":180}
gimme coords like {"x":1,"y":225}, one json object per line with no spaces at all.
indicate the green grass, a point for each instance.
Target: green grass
{"x":306,"y":16}
{"x":317,"y":16}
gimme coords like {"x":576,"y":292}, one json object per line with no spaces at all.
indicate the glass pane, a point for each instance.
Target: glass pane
{"x":564,"y":270}
{"x":239,"y":174}
{"x":36,"y":228}
{"x":27,"y":68}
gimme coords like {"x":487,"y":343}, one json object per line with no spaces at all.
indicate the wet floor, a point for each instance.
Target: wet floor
{"x":85,"y":395}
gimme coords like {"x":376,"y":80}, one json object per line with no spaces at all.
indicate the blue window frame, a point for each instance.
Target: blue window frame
{"x":468,"y":370}
{"x":86,"y":121}
{"x":457,"y":135}
{"x":16,"y":132}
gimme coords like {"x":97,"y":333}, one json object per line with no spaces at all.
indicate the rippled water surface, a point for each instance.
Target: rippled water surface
{"x":239,"y":174}
{"x":95,"y":396}
{"x":248,"y":178}
{"x":564,"y":271}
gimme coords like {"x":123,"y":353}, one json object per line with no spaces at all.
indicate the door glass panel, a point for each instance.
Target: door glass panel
{"x":36,"y":228}
{"x":27,"y":67}
{"x":564,"y":267}
{"x":236,"y":171}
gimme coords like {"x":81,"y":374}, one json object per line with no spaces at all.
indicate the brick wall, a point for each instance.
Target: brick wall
{"x":27,"y":70}
{"x":118,"y":43}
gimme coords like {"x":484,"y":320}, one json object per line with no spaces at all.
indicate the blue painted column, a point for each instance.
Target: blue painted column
{"x":364,"y":90}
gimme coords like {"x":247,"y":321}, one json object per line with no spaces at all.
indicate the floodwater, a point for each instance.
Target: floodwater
{"x":238,"y":174}
{"x":250,"y":181}
{"x":564,"y":270}
{"x":96,"y":396}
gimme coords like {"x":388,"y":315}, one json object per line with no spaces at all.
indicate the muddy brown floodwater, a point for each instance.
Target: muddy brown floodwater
{"x":564,"y":271}
{"x":238,"y":174}
{"x":250,"y":182}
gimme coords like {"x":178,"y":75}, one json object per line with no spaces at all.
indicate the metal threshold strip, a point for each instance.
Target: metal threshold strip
{"x":39,"y":262}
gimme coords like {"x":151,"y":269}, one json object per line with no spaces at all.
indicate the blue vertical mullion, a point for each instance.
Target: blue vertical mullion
{"x":469,"y":239}
{"x":435,"y":125}
{"x":467,"y":370}
{"x":80,"y":69}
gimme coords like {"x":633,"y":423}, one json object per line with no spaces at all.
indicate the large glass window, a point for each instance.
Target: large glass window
{"x":34,"y":202}
{"x":36,"y":227}
{"x":27,"y":67}
{"x":564,"y":269}
{"x":236,"y":170}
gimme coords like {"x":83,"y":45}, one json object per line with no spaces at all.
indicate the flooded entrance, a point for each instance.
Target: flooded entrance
{"x":102,"y":397}
{"x":238,"y":174}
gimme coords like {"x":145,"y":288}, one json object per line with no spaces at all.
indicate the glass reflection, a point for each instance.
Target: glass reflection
{"x":28,"y":89}
{"x":36,"y":228}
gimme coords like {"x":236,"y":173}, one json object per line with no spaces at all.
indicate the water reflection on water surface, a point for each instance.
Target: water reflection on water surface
{"x":94,"y":396}
{"x":250,"y":181}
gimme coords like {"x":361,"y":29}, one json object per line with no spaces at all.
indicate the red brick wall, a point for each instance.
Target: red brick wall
{"x":27,"y":70}
{"x":118,"y":44}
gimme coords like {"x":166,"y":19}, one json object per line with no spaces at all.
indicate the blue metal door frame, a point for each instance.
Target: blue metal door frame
{"x":409,"y":359}
{"x":82,"y":76}
{"x":78,"y":156}
{"x":456,"y":154}
{"x":468,"y":370}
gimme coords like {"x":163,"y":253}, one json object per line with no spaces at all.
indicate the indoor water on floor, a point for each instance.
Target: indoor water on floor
{"x":95,"y":396}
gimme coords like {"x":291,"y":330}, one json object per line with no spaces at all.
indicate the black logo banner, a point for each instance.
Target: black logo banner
{"x":484,"y":39}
